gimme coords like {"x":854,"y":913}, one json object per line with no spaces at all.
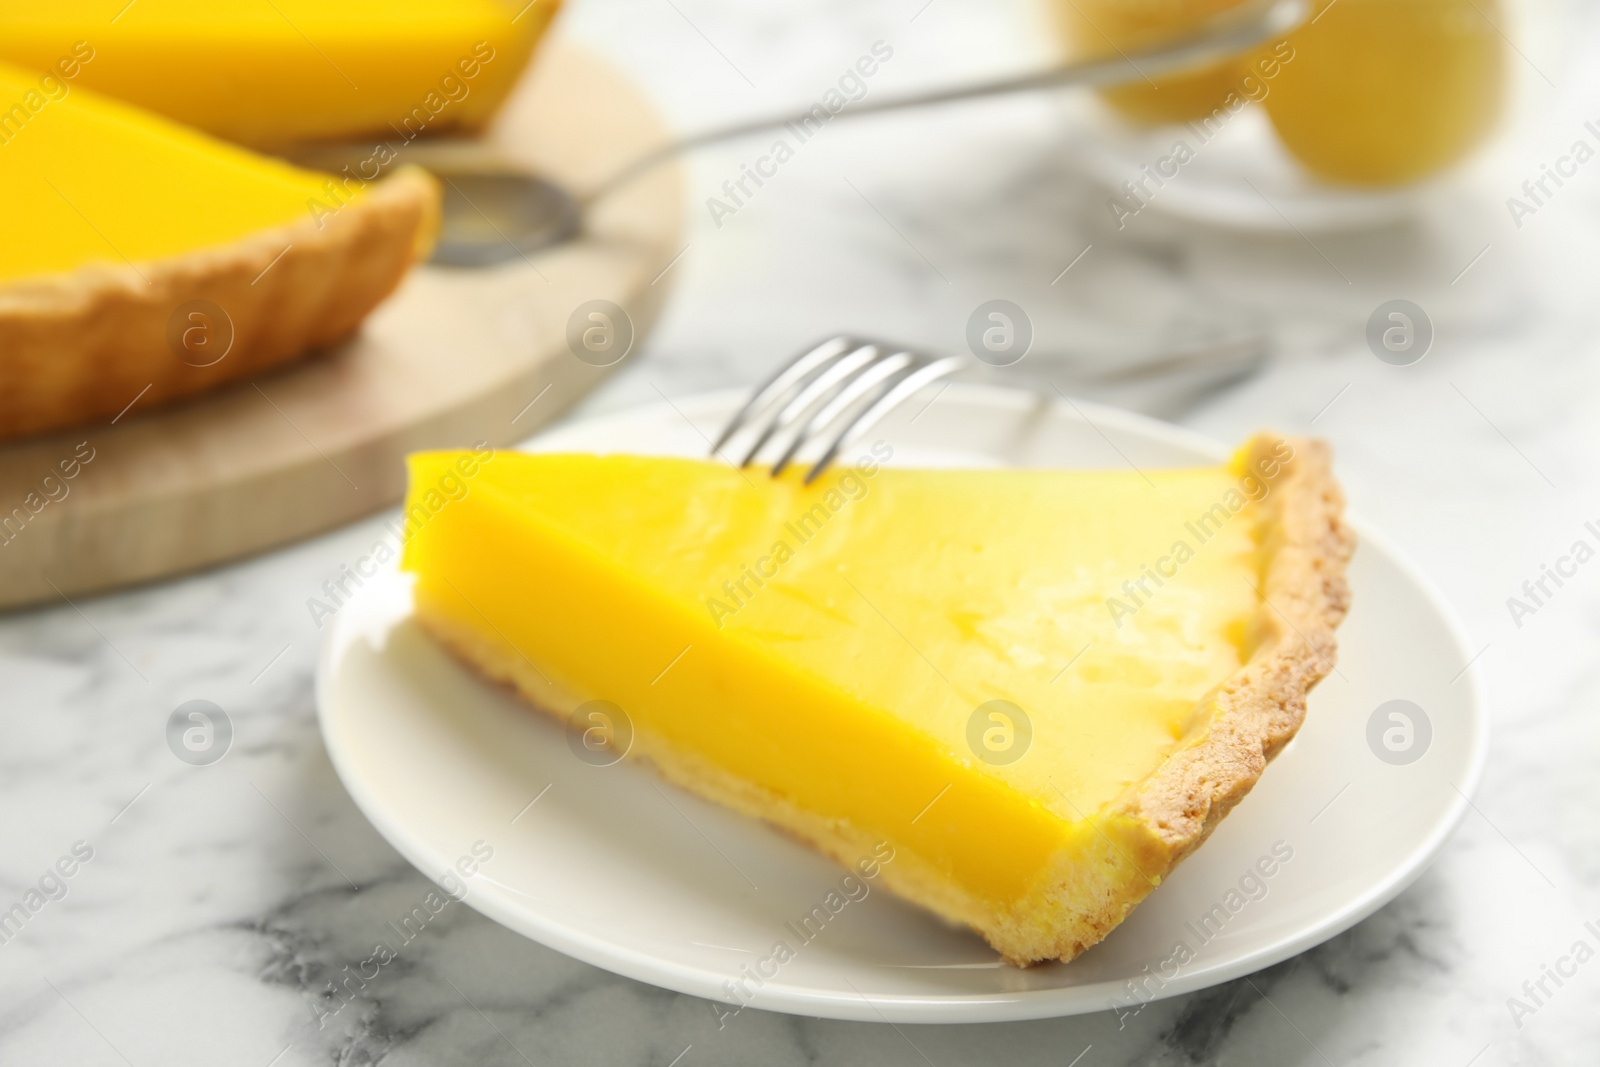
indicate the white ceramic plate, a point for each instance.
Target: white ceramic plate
{"x":616,"y":868}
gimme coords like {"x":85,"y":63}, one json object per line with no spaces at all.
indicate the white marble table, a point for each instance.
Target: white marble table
{"x":217,"y":901}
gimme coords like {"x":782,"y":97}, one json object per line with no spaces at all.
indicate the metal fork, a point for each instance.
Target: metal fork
{"x":835,"y":392}
{"x":846,"y":384}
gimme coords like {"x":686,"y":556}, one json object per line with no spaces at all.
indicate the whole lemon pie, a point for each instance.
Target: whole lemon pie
{"x":1040,"y":689}
{"x":144,"y":261}
{"x":274,"y":72}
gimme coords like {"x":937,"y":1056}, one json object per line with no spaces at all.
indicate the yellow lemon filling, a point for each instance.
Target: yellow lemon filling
{"x":275,"y":71}
{"x":971,"y":666}
{"x":90,"y":179}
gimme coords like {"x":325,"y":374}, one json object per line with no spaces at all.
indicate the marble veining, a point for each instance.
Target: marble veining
{"x":231,"y":913}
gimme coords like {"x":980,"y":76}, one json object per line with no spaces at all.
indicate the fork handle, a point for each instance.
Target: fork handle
{"x":1231,"y":32}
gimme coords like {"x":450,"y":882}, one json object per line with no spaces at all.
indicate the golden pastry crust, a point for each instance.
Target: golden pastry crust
{"x":81,"y":346}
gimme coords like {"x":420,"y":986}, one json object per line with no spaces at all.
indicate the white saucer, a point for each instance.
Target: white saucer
{"x":682,"y":894}
{"x":1240,"y":176}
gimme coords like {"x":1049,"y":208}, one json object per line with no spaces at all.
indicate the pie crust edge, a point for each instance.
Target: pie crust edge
{"x":83,"y":345}
{"x":1258,"y":710}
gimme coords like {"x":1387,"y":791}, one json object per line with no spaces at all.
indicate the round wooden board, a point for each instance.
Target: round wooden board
{"x":453,"y":357}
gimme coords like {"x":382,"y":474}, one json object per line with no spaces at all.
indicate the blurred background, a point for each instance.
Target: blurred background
{"x":903,"y":224}
{"x":1404,"y":153}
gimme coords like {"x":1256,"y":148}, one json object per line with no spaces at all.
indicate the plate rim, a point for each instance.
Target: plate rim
{"x":1095,"y":997}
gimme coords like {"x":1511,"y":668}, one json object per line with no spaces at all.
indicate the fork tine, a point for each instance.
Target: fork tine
{"x":901,"y":386}
{"x":842,"y":380}
{"x":813,"y":391}
{"x":851,"y":392}
{"x":782,"y":380}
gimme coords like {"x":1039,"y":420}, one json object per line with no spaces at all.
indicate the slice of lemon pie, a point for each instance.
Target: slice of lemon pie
{"x":144,"y":261}
{"x":1040,"y":689}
